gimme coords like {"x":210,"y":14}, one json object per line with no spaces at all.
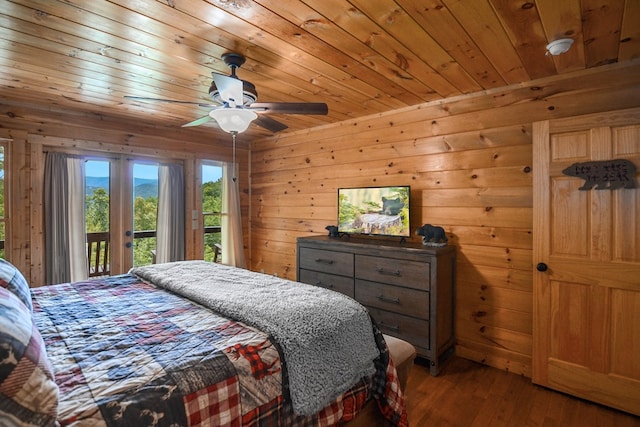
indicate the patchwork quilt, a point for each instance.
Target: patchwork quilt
{"x":324,"y":336}
{"x":127,"y":353}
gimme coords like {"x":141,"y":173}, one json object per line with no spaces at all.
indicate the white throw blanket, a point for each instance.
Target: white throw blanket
{"x":326,"y":337}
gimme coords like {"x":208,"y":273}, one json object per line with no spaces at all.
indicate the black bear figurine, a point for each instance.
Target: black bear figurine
{"x":432,"y":235}
{"x":333,"y":230}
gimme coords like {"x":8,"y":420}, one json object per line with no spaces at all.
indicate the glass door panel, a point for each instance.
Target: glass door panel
{"x":145,"y":212}
{"x":211,"y":211}
{"x":97,"y":216}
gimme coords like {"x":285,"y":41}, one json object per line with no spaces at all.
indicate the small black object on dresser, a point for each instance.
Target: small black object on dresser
{"x":407,"y":287}
{"x":333,"y":230}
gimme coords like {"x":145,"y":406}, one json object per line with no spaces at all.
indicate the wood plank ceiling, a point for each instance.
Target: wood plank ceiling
{"x":361,"y":57}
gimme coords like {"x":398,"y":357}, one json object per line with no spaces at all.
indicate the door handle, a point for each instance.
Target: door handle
{"x":542,"y":266}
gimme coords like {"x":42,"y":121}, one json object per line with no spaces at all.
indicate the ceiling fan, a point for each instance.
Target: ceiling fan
{"x":235,"y":105}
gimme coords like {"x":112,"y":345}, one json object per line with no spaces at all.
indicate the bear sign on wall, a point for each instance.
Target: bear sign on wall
{"x":604,"y":175}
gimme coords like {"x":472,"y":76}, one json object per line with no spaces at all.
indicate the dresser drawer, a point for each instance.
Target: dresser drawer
{"x":405,"y":301}
{"x":340,"y":284}
{"x":411,"y":274}
{"x":328,"y":261}
{"x":415,"y":331}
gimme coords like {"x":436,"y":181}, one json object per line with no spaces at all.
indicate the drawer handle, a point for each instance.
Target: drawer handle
{"x":394,"y":328}
{"x":324,"y":261}
{"x":387,"y":299}
{"x":322,"y":285}
{"x":388,"y":272}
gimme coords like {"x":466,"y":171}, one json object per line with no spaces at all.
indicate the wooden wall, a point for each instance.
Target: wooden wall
{"x":33,"y":130}
{"x":469,"y":162}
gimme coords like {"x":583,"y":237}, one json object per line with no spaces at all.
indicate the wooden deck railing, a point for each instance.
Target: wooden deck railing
{"x":98,"y":253}
{"x":98,"y":249}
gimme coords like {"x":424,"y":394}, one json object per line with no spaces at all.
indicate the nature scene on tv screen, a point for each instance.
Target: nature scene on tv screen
{"x":380,"y":210}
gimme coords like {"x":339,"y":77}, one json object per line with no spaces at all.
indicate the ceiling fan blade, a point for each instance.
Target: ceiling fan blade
{"x":198,"y":122}
{"x":269,"y":123}
{"x":319,"y":108}
{"x":173,"y":101}
{"x":230,"y":88}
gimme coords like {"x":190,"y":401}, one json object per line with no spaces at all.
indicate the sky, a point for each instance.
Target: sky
{"x":147,"y":171}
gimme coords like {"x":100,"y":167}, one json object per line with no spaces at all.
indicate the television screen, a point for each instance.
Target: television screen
{"x":374,"y":210}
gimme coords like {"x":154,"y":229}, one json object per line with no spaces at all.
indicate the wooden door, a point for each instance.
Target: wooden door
{"x":586,"y":338}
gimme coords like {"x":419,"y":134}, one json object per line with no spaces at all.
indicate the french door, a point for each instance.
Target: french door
{"x":586,"y":336}
{"x":128,"y":218}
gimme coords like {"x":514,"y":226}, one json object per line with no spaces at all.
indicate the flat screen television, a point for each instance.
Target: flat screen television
{"x":382,"y":211}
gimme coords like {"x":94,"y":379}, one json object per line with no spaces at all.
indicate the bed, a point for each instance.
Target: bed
{"x":193,"y":344}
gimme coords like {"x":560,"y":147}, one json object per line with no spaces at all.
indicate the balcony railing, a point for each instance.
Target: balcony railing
{"x":98,"y":248}
{"x":98,"y":253}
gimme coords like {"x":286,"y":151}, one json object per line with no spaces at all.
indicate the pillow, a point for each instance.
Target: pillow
{"x":28,"y":392}
{"x":14,"y":281}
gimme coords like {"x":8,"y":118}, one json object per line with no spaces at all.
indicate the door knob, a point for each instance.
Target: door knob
{"x":542,"y":266}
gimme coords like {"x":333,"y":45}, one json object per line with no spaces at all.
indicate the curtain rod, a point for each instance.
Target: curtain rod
{"x":102,"y":157}
{"x":81,"y":156}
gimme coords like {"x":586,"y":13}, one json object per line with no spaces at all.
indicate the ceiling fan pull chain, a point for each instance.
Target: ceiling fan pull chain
{"x":233,"y":150}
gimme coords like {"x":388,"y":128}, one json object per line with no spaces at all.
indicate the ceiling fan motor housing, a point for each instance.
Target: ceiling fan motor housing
{"x":249,"y":93}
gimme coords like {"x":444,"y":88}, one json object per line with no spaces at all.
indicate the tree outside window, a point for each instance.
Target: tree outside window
{"x":211,"y":208}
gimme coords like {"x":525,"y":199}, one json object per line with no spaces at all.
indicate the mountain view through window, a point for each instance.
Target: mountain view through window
{"x":145,"y":206}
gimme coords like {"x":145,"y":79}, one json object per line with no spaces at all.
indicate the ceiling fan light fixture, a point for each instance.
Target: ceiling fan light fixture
{"x":233,"y":120}
{"x":559,"y":46}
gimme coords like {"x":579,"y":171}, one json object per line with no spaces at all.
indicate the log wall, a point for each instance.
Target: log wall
{"x":468,"y":160}
{"x":469,"y":163}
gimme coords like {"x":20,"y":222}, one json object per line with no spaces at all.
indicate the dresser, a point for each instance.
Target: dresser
{"x":407,"y":287}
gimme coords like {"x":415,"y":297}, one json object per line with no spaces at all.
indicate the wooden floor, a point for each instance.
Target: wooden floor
{"x":467,"y":393}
